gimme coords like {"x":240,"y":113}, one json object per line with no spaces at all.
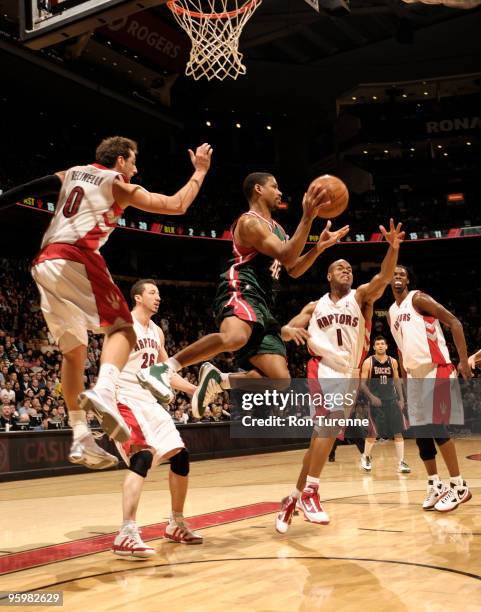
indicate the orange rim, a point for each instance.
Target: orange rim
{"x":180,"y":10}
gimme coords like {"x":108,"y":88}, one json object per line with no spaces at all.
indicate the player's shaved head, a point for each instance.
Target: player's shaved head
{"x":337,"y":262}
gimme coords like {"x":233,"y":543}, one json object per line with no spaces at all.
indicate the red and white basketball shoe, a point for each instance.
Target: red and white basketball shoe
{"x":284,"y":518}
{"x":128,"y":543}
{"x":310,"y":504}
{"x":457,"y":494}
{"x":180,"y":532}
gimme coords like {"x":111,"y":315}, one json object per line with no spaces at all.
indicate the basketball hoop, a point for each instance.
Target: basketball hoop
{"x":214,"y":28}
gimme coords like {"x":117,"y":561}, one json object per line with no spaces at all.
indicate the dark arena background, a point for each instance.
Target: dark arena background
{"x":385,"y":95}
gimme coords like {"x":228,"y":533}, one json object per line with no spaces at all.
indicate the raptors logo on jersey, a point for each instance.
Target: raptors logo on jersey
{"x":86,"y":212}
{"x":338,"y":332}
{"x":144,"y":354}
{"x":420,"y":339}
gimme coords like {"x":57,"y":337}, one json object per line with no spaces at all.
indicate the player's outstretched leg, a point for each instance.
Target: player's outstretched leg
{"x":234,"y":334}
{"x":101,"y":399}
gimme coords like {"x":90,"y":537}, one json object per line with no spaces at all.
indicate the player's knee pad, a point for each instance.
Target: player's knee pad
{"x":441,"y":441}
{"x":141,"y":462}
{"x":180,"y":463}
{"x":427,"y":449}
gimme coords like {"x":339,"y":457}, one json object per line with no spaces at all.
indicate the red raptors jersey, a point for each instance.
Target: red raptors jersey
{"x":86,"y":213}
{"x":339,"y":333}
{"x":419,"y":338}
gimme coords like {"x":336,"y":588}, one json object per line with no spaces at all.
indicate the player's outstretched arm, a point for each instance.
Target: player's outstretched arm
{"x":373,"y":290}
{"x":326,"y":240}
{"x":474,"y":359}
{"x":47,"y":185}
{"x":426,"y":306}
{"x":296,"y":328}
{"x":126,"y":194}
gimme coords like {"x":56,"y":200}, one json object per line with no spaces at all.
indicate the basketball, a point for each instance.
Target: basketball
{"x":338,"y":194}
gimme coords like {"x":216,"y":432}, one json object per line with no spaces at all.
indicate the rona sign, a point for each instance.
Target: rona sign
{"x":453,"y":125}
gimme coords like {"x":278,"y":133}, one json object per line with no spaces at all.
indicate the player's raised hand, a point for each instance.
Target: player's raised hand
{"x":298,"y":334}
{"x":394,"y":236}
{"x":202,"y":157}
{"x":313,"y":198}
{"x":328,"y":238}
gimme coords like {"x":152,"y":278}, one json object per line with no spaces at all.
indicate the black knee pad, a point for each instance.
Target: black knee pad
{"x":141,"y":462}
{"x":441,"y":441}
{"x":427,"y":449}
{"x":179,"y":463}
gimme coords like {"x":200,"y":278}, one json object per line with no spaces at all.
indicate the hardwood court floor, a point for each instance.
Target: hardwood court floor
{"x":380,"y":551}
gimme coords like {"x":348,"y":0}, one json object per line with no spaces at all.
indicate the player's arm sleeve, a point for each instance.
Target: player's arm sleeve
{"x":47,"y":185}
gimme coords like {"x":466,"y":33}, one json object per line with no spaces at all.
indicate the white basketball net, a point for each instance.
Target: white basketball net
{"x":214,"y":28}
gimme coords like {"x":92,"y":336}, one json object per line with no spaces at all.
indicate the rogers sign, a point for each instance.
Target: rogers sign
{"x":150,"y":37}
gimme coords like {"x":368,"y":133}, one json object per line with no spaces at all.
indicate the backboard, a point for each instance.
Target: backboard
{"x":47,"y":22}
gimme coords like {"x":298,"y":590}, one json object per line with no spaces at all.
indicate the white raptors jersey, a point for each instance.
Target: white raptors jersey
{"x":144,"y":354}
{"x":338,"y":332}
{"x":86,"y":213}
{"x":420,"y":339}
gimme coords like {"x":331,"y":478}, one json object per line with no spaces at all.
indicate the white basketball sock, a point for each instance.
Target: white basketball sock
{"x":108,"y":376}
{"x":78,"y":422}
{"x":457,"y":480}
{"x":127,"y":525}
{"x":176,"y":517}
{"x":174,"y":364}
{"x":311,"y":480}
{"x":296,"y":493}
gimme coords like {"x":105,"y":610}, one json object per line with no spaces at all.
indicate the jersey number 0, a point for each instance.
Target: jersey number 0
{"x":73,"y":202}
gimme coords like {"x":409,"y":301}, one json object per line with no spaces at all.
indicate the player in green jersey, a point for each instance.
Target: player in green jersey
{"x":246,"y":295}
